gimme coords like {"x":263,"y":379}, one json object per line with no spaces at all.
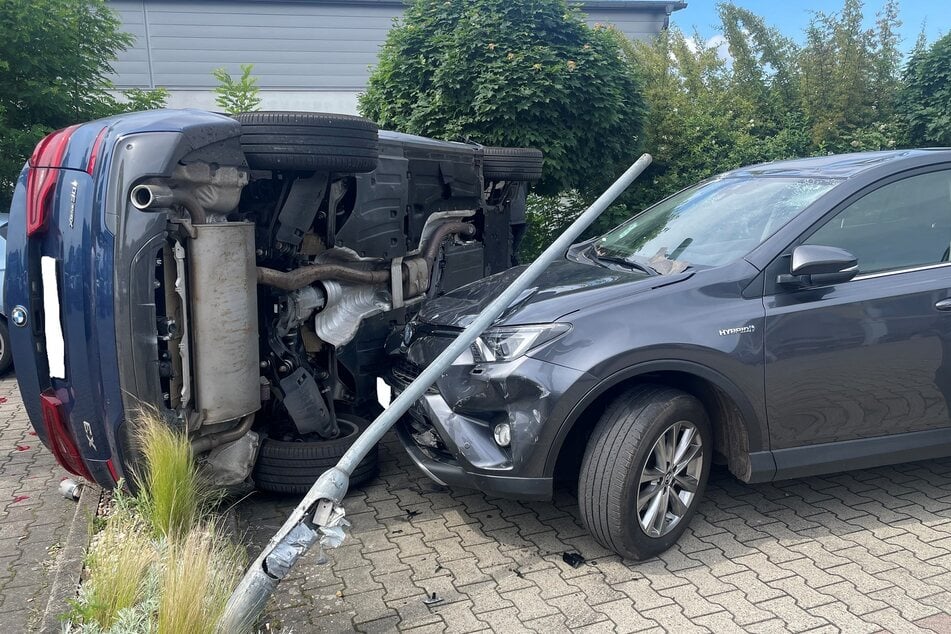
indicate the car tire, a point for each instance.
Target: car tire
{"x":512,"y":164}
{"x":624,"y":448}
{"x":309,"y":142}
{"x":292,"y":467}
{"x":6,"y":355}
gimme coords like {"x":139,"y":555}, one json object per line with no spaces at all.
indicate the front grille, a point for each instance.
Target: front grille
{"x":405,"y":372}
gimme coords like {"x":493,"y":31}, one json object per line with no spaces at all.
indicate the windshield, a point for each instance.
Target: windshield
{"x":710,"y":224}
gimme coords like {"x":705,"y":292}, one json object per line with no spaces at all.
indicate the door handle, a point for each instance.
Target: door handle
{"x":944,"y":304}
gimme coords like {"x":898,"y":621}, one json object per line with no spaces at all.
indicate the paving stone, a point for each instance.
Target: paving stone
{"x":673,"y":619}
{"x":839,"y":614}
{"x":741,"y":611}
{"x":860,"y":552}
{"x":796,"y":619}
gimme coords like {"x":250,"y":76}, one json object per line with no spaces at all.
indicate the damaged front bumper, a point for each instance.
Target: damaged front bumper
{"x":450,"y":432}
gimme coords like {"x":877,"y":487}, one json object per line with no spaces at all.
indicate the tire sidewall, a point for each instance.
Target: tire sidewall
{"x":290,"y":467}
{"x":680,"y":408}
{"x":354,"y":430}
{"x":6,"y":359}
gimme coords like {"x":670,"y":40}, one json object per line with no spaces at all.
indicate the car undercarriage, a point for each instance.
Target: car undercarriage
{"x":278,"y":283}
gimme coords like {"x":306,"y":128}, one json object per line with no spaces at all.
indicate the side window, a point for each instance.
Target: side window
{"x":900,"y":225}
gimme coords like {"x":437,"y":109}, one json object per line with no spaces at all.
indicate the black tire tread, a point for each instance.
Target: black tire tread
{"x":6,"y":359}
{"x":309,"y":141}
{"x":292,"y":467}
{"x":512,"y":164}
{"x":611,"y":450}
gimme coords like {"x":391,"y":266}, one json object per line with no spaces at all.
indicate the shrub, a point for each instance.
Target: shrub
{"x":237,"y":96}
{"x":520,"y":74}
{"x":138,"y":99}
{"x":925,"y":100}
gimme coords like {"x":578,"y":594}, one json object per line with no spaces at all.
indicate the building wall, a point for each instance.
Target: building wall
{"x":306,"y":55}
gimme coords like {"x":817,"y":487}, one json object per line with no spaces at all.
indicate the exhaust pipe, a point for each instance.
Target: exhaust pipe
{"x":207,"y":443}
{"x":307,"y":275}
{"x":157,"y":196}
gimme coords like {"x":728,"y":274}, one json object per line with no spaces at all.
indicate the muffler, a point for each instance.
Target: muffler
{"x":224,"y":321}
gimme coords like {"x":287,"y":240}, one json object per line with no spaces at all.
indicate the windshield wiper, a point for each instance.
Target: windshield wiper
{"x":631,"y":262}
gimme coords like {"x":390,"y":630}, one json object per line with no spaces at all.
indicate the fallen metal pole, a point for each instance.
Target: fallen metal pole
{"x":319,"y":507}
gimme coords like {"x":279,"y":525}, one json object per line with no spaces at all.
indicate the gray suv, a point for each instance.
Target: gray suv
{"x":785,"y":319}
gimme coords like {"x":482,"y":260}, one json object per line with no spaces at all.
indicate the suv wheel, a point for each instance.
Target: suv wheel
{"x":512,"y":164}
{"x":6,"y":355}
{"x":645,"y":470}
{"x":293,"y":466}
{"x":309,"y":142}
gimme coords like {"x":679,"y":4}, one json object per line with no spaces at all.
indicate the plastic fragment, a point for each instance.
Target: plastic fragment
{"x":432,"y":599}
{"x":575,"y":560}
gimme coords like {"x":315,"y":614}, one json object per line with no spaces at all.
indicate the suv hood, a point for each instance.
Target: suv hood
{"x":565,"y":287}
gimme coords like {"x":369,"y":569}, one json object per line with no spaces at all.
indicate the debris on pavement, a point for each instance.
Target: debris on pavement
{"x":575,"y":560}
{"x":432,"y":599}
{"x":70,"y":488}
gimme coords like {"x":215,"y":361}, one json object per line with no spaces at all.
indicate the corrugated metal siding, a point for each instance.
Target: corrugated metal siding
{"x":293,"y":45}
{"x":636,"y":25}
{"x":313,"y":46}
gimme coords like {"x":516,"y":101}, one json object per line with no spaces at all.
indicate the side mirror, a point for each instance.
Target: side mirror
{"x":817,"y":265}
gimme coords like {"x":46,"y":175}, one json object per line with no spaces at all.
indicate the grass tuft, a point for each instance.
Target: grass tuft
{"x":159,"y":563}
{"x":200,"y":573}
{"x":173,"y":497}
{"x":117,"y":565}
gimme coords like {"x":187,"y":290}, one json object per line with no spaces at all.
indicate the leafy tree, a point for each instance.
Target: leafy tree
{"x":849,"y":78}
{"x":138,"y":99}
{"x":925,"y":100}
{"x":237,"y":96}
{"x":55,"y":58}
{"x":529,"y":74}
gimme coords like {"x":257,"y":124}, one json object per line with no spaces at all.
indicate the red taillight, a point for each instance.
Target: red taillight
{"x":94,"y":154}
{"x":112,"y":470}
{"x":47,"y":156}
{"x":61,"y":441}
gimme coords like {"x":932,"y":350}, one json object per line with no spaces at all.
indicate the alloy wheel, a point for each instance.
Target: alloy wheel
{"x":670,"y":479}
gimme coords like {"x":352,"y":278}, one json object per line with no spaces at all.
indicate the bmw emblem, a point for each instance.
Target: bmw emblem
{"x":18,"y":316}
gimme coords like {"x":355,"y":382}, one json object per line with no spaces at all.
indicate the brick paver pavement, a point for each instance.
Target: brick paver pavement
{"x":865,"y":551}
{"x":34,"y":517}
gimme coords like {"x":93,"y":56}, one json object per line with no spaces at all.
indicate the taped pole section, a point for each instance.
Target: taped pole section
{"x":300,"y":531}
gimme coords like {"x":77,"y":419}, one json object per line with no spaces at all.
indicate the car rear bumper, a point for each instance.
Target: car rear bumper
{"x":101,"y":364}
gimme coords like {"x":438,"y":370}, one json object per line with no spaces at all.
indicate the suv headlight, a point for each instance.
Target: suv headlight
{"x":506,"y":343}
